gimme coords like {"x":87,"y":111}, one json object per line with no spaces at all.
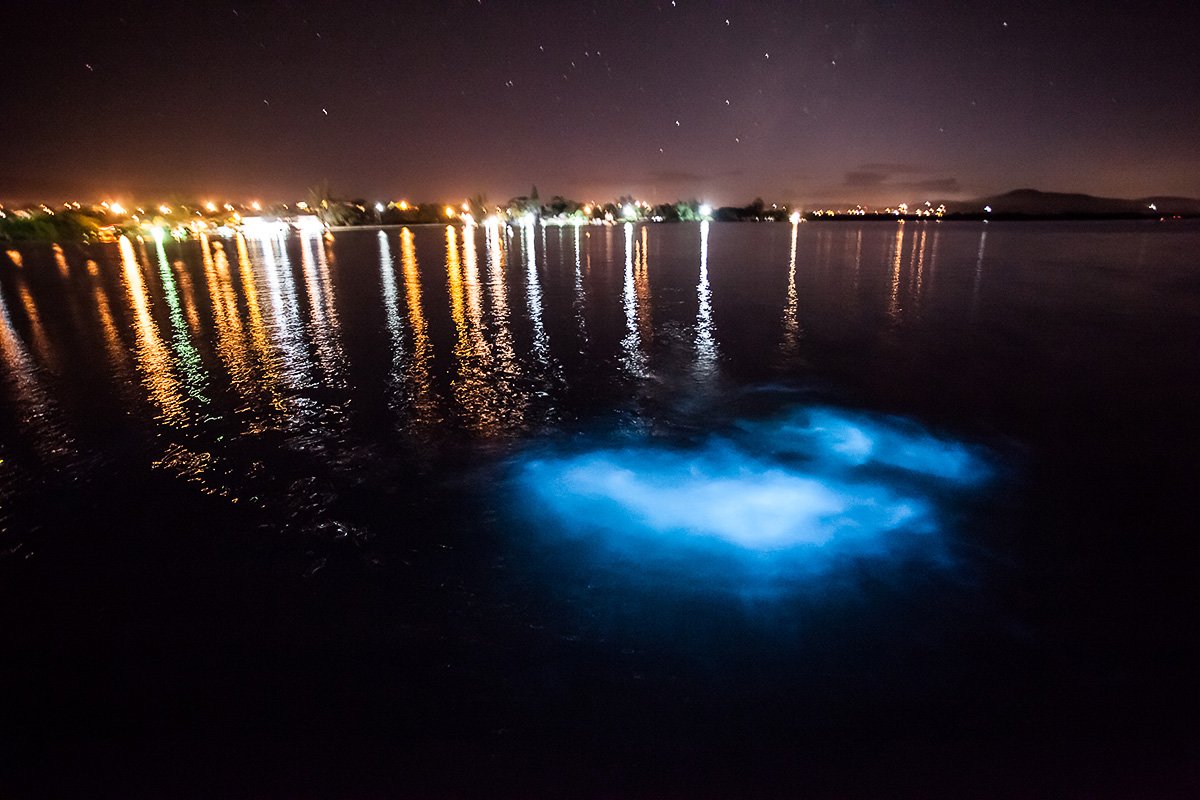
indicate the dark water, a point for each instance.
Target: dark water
{"x":834,"y":510}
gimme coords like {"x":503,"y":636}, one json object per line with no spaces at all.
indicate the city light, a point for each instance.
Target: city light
{"x":194,"y":217}
{"x":308,"y":224}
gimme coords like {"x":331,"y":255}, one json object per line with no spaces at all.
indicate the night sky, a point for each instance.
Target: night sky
{"x":797,"y":102}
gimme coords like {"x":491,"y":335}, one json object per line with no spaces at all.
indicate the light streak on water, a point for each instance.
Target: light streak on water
{"x":425,"y":400}
{"x":473,"y":387}
{"x":118,"y":354}
{"x":285,"y":324}
{"x":918,"y":274}
{"x":580,"y":296}
{"x":231,"y":341}
{"x":706,"y":343}
{"x":791,"y":311}
{"x":258,"y":328}
{"x":457,"y":300}
{"x":857,"y":257}
{"x":533,"y":290}
{"x":633,"y":359}
{"x":187,"y":359}
{"x":36,"y":408}
{"x":188,"y":297}
{"x":978,"y":272}
{"x":154,"y":359}
{"x":395,"y":323}
{"x":474,"y":292}
{"x":933,"y":257}
{"x":324,"y":323}
{"x":897,"y":254}
{"x":60,"y":259}
{"x":508,"y":366}
{"x":37,"y":331}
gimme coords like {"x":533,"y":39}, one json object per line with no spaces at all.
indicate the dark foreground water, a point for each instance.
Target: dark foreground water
{"x":827,"y":510}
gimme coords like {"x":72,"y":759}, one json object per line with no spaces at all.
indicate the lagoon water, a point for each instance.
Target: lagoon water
{"x":827,"y":509}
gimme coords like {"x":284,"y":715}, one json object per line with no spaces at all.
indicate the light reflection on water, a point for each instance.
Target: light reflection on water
{"x":186,"y":357}
{"x":791,"y":312}
{"x":533,"y":290}
{"x":418,"y":382}
{"x":706,"y":344}
{"x":324,"y":323}
{"x":231,"y":330}
{"x":154,"y":360}
{"x":34,"y":402}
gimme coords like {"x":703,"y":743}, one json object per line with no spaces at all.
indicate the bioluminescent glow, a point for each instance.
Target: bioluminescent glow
{"x":817,"y":481}
{"x":724,"y":494}
{"x":860,"y":440}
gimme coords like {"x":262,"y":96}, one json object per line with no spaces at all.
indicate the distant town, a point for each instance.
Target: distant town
{"x":107,"y":219}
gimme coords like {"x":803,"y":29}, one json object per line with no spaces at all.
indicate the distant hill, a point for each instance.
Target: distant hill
{"x":1036,"y":203}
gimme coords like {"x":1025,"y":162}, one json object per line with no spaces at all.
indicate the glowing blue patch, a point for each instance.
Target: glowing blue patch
{"x":859,"y":439}
{"x":716,"y":493}
{"x":814,"y":481}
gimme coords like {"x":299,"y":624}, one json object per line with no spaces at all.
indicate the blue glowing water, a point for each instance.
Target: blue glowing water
{"x":817,"y":482}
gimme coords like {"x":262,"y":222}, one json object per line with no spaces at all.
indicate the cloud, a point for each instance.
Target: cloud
{"x":887,"y":179}
{"x":860,"y":179}
{"x":681,"y":176}
{"x":673,"y":176}
{"x":949,"y":185}
{"x":893,"y":168}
